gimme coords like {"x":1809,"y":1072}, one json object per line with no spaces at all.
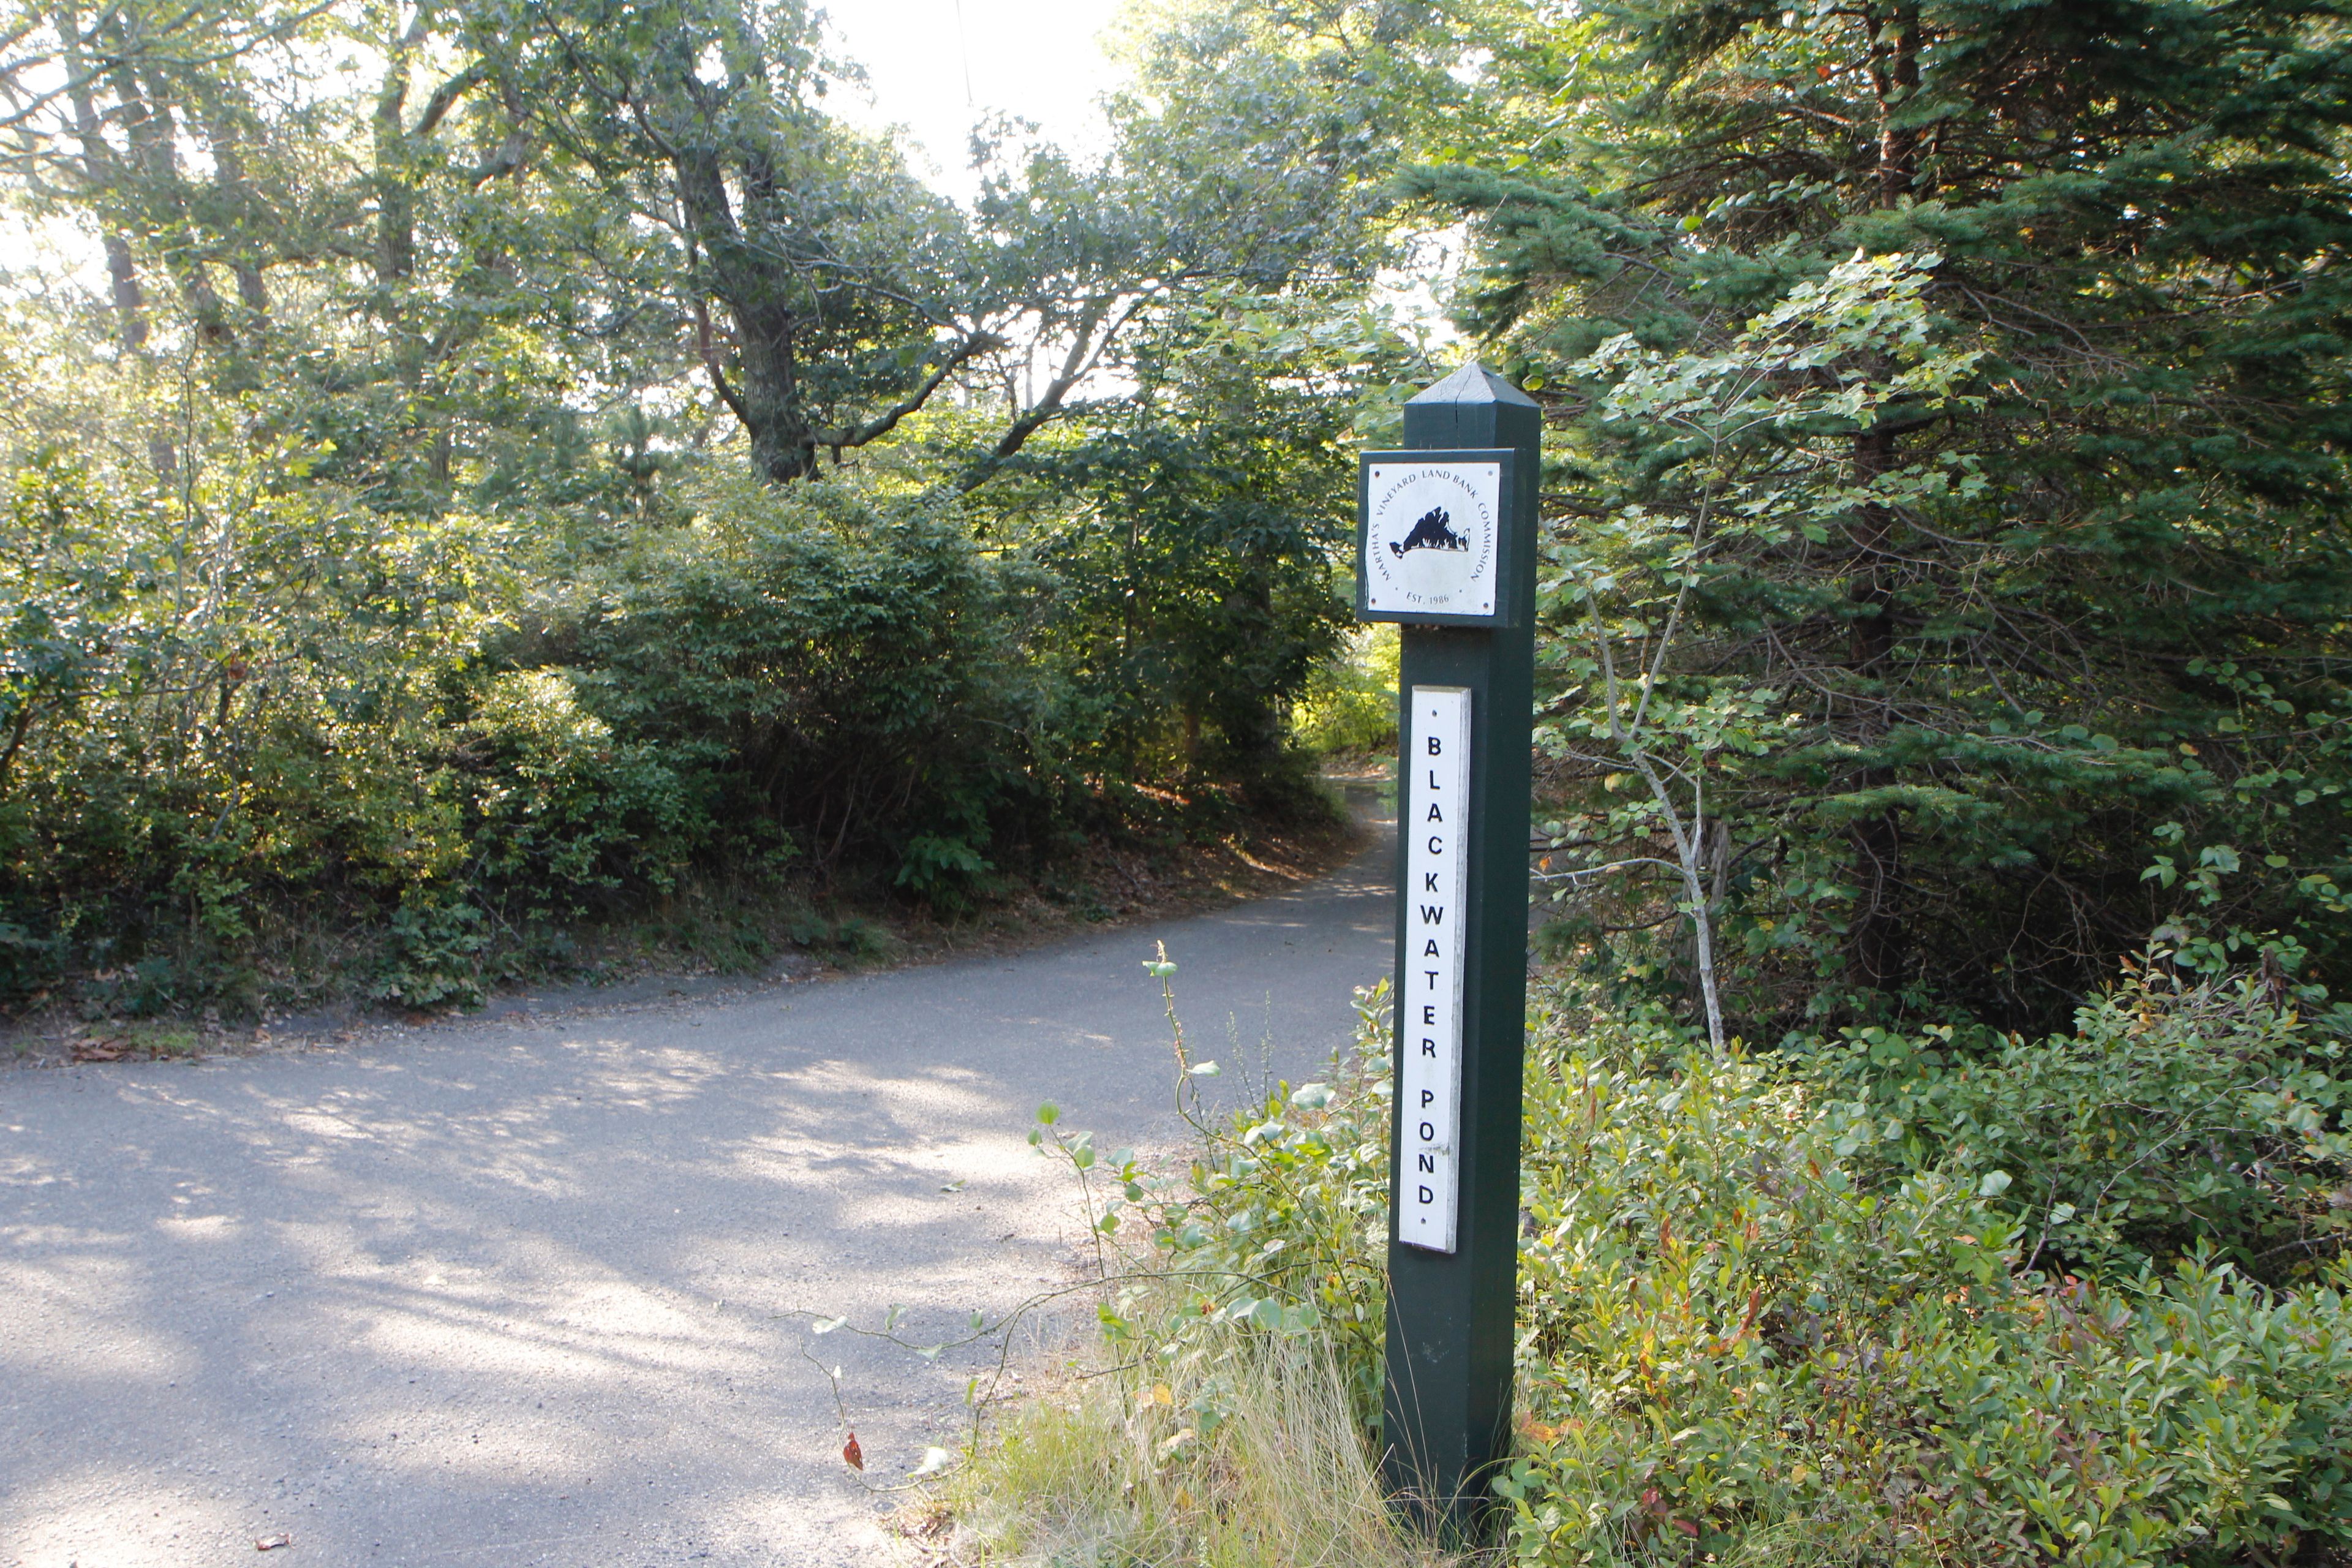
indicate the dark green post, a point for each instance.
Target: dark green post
{"x":1448,"y":548}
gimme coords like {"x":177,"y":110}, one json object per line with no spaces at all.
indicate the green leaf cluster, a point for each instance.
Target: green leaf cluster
{"x":1278,"y":1227}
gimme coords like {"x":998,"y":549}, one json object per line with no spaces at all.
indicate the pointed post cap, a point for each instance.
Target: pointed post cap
{"x":1473,"y":382}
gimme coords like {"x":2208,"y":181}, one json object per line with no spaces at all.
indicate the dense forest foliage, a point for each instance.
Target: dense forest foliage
{"x":1951,"y":449}
{"x":477,"y":470}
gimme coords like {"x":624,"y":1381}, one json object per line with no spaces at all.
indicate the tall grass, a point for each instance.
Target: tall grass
{"x":1219,"y":1412}
{"x":1251,"y":1457}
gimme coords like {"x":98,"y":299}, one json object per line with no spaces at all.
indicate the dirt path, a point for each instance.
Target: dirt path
{"x":513,"y":1293}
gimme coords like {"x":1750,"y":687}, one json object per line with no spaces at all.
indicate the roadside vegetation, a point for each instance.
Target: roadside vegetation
{"x":1877,"y":1297}
{"x":1935,"y":1127}
{"x":482,"y":484}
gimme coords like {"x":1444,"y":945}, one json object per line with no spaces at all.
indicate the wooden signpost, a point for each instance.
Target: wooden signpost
{"x":1447,"y":547}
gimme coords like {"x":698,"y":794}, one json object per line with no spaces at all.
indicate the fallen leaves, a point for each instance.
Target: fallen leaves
{"x":272,"y":1543}
{"x":120,"y":1040}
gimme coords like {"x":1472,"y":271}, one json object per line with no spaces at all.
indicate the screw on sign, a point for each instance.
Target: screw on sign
{"x":1446,"y":547}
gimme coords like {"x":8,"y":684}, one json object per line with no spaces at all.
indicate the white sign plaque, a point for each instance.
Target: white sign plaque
{"x":1430,"y":537}
{"x":1429,"y":1032}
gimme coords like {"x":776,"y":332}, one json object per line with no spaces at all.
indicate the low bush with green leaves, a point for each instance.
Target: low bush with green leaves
{"x":1949,"y":1300}
{"x":1768,"y":1322}
{"x":259,"y":742}
{"x":1279,"y":1224}
{"x":2181,"y":1113}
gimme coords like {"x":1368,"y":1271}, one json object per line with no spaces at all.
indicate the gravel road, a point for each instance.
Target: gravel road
{"x":518,"y":1291}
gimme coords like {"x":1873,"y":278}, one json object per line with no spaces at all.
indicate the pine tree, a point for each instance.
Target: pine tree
{"x":2054,"y":657}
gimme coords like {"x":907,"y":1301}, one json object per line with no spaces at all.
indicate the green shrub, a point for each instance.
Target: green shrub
{"x":225,"y":720}
{"x":845,"y":682}
{"x":2180,"y":1114}
{"x":1749,"y":1335}
{"x":1280,"y":1225}
{"x":257,"y":741}
{"x":432,"y":953}
{"x":561,"y":806}
{"x":1767,"y":1318}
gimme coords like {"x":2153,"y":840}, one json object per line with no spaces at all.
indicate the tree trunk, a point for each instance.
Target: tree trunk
{"x":222,"y":141}
{"x":396,"y":200}
{"x":400,"y":149}
{"x":155,"y":126}
{"x":1895,"y":79}
{"x":1875,"y":942}
{"x":753,"y":289}
{"x":96,"y":159}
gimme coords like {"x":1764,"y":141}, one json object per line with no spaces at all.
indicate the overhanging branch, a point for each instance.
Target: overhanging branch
{"x":1085,"y":352}
{"x":882,"y":424}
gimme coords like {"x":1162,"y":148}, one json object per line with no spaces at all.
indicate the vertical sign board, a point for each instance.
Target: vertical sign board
{"x":1446,"y":548}
{"x":1437,"y":804}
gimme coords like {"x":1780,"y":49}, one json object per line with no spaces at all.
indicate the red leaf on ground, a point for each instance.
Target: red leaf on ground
{"x":851,"y":1455}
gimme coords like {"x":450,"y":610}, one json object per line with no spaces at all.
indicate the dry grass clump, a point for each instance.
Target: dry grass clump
{"x":1247,"y":1457}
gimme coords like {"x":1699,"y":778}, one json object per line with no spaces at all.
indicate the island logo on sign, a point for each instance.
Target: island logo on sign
{"x":1430,"y":538}
{"x":1430,"y":534}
